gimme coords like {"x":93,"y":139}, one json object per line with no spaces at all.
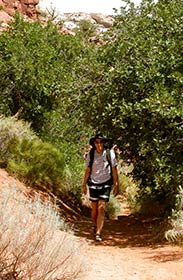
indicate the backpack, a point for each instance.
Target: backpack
{"x":108,"y":156}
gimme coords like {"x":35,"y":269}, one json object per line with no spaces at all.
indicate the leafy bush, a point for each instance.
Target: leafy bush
{"x":135,"y":95}
{"x":130,"y":88}
{"x":125,"y":177}
{"x":38,"y":163}
{"x":73,"y":169}
{"x":113,"y":207}
{"x":24,"y":154}
{"x":69,"y":135}
{"x":33,"y":240}
{"x":175,"y":234}
{"x":12,"y":130}
{"x":37,"y":64}
{"x":86,"y":29}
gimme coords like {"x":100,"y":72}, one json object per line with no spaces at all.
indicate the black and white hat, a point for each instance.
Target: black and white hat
{"x":97,"y":136}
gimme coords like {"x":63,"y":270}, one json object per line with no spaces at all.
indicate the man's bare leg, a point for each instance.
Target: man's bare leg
{"x":94,"y":212}
{"x":100,"y":216}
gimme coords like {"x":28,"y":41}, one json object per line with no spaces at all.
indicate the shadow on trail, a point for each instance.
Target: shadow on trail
{"x":133,"y":232}
{"x":126,"y":231}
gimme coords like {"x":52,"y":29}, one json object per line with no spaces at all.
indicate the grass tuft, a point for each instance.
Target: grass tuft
{"x":34,"y":240}
{"x":12,"y":129}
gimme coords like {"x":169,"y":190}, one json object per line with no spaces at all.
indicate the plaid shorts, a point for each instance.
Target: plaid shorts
{"x":99,"y":192}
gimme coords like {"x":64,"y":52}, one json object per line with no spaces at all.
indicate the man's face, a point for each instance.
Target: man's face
{"x":99,"y":145}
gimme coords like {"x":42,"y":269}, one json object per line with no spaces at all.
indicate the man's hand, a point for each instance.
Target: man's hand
{"x":84,"y":188}
{"x":116,"y":181}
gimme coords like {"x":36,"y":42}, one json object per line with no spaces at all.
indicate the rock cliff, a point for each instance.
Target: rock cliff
{"x":25,"y":7}
{"x":31,"y":9}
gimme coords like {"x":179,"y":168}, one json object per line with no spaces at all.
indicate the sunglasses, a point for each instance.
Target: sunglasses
{"x":98,"y":142}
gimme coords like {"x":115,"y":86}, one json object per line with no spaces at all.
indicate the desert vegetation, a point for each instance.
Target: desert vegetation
{"x":34,"y":243}
{"x":57,"y":90}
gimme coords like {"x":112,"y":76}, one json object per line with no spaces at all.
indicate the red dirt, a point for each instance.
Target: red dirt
{"x":132,"y":249}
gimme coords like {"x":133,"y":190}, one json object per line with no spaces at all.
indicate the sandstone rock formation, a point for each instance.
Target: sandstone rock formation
{"x":71,"y":20}
{"x":25,"y":7}
{"x":31,"y":9}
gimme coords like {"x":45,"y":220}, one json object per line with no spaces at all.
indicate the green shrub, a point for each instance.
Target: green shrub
{"x":57,"y":168}
{"x":24,"y":154}
{"x":132,"y":196}
{"x":74,"y":170}
{"x":113,"y":207}
{"x":86,"y":29}
{"x":37,"y":162}
{"x":12,"y":130}
{"x":175,"y":234}
{"x":135,"y":95}
{"x":37,"y":65}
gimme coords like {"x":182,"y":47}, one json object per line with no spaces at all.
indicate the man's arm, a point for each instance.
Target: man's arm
{"x":115,"y":180}
{"x":86,"y":175}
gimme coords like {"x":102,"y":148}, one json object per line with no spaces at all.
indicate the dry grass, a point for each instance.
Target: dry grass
{"x":34,"y":241}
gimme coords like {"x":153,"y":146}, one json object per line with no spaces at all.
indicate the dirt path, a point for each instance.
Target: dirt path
{"x":130,"y":251}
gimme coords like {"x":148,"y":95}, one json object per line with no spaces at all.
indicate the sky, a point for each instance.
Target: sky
{"x":87,"y":6}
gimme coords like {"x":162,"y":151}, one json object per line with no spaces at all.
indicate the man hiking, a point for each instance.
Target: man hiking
{"x":100,"y":174}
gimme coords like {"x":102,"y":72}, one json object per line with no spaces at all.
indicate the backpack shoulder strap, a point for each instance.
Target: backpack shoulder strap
{"x":92,"y":151}
{"x":108,"y":155}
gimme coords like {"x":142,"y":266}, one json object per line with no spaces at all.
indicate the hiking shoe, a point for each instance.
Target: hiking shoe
{"x":98,"y":237}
